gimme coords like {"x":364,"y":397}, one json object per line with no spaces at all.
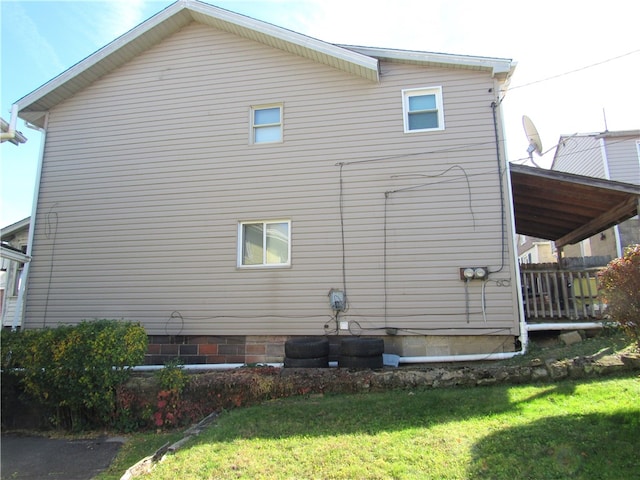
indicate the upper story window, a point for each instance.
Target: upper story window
{"x":423,"y":111}
{"x":264,"y":243}
{"x":266,"y":124}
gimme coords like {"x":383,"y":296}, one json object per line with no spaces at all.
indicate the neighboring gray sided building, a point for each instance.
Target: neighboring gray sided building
{"x":612,"y":156}
{"x":13,"y":258}
{"x":214,"y":177}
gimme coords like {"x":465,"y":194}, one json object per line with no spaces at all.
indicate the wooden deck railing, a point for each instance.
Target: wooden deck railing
{"x":550,"y":293}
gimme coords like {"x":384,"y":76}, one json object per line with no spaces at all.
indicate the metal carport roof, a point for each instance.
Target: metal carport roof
{"x":568,"y":208}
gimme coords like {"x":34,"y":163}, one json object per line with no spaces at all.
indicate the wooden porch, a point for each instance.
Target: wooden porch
{"x":551,"y":294}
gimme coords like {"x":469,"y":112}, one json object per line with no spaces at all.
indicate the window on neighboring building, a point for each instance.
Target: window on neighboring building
{"x":266,"y":124}
{"x":18,"y":279}
{"x":264,"y":243}
{"x":423,"y":110}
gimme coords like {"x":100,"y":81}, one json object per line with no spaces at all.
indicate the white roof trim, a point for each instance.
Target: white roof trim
{"x":14,"y":227}
{"x":92,"y":61}
{"x":32,"y":106}
{"x":14,"y":256}
{"x":361,"y":61}
{"x":284,"y":34}
{"x":496,"y":65}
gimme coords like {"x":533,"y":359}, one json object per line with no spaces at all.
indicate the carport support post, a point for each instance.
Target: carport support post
{"x":560,"y":258}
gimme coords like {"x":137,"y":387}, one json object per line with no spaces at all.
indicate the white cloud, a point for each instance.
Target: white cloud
{"x":23,"y":36}
{"x":103,"y":22}
{"x":123,"y":16}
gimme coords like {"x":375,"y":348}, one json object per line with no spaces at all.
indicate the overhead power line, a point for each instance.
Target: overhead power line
{"x":574,"y":71}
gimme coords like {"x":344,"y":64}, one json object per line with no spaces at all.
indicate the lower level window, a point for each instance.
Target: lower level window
{"x":264,"y":243}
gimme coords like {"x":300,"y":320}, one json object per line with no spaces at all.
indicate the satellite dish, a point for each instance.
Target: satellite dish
{"x":535,"y":144}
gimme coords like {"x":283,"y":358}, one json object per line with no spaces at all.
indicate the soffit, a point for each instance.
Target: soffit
{"x":15,"y":228}
{"x":568,"y":208}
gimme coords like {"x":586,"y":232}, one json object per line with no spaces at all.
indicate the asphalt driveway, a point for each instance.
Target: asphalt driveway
{"x":35,"y":458}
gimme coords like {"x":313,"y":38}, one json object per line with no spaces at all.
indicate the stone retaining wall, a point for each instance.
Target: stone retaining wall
{"x":437,"y":376}
{"x":213,"y":391}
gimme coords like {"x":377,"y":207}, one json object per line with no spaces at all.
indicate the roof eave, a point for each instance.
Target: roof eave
{"x":318,"y":50}
{"x":33,"y":106}
{"x":568,"y":208}
{"x":13,"y":255}
{"x":15,"y":227}
{"x":501,"y":68}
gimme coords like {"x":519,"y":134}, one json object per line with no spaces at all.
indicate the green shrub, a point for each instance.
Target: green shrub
{"x":74,"y":371}
{"x":172,"y":376}
{"x":170,"y":407}
{"x":619,"y":285}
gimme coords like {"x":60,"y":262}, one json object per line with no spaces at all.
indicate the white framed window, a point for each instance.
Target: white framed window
{"x":264,"y":243}
{"x":266,"y":124}
{"x":423,"y":110}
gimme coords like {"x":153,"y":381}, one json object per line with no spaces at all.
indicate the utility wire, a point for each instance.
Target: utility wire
{"x":572,"y":152}
{"x":470,"y":147}
{"x":573,"y":71}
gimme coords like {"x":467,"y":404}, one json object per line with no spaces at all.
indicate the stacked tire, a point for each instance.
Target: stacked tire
{"x":308,"y":352}
{"x":361,"y":353}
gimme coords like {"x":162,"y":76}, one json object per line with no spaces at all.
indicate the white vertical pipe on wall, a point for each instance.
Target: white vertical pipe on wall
{"x":19,"y":313}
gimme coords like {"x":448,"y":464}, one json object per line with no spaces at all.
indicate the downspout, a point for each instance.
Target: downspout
{"x":524,"y":336}
{"x":24,"y":278}
{"x":524,"y":330}
{"x":607,"y":174}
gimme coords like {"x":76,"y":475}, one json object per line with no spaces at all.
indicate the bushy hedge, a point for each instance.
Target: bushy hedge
{"x":620,"y":289}
{"x":74,"y":371}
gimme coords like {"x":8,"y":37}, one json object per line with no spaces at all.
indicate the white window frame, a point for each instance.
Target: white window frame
{"x":415,"y":92}
{"x":264,"y":263}
{"x":255,"y":127}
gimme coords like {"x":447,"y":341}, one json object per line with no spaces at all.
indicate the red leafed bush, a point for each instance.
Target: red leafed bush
{"x":619,"y":286}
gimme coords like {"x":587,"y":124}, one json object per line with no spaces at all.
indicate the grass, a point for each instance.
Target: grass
{"x":545,"y":345}
{"x":572,"y":429}
{"x":137,"y":447}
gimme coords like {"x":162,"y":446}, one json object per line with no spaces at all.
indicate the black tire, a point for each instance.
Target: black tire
{"x":319,"y":362}
{"x":362,"y":347}
{"x":373,"y":362}
{"x":309,"y":347}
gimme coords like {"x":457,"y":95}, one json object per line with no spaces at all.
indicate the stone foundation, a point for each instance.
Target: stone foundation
{"x":251,"y":349}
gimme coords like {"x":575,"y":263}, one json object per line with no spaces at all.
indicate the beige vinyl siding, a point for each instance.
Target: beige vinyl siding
{"x":148,"y":171}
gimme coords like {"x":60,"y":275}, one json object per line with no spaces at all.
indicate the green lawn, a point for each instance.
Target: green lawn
{"x":573,"y":429}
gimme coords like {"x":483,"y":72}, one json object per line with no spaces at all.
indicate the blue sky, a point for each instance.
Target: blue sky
{"x":575,"y":59}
